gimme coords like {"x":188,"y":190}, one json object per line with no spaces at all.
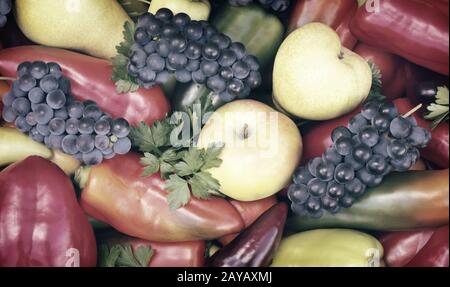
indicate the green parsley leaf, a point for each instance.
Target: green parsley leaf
{"x":199,"y":188}
{"x":208,"y":180}
{"x":124,"y":83}
{"x":166,"y":169}
{"x":170,"y":155}
{"x":439,"y":111}
{"x":151,"y":139}
{"x":211,"y":157}
{"x":179,"y":192}
{"x":108,"y":257}
{"x":126,"y":258}
{"x":376,"y":89}
{"x":183,"y":169}
{"x":143,"y":255}
{"x":151,"y":164}
{"x":194,"y":158}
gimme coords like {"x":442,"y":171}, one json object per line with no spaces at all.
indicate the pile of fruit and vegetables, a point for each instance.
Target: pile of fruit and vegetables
{"x":234,"y":133}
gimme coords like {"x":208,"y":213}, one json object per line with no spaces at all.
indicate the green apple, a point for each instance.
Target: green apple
{"x":196,"y":9}
{"x":91,"y":26}
{"x":316,"y":78}
{"x":262,"y":149}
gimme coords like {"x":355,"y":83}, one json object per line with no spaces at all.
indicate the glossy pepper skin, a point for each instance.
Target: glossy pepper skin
{"x":91,"y":80}
{"x":317,"y":137}
{"x":249,"y":212}
{"x":335,"y":13}
{"x":41,"y":223}
{"x":114,"y":192}
{"x":256,"y":245}
{"x":392,"y":67}
{"x":417,"y":248}
{"x":165,"y":254}
{"x":414,"y":199}
{"x":259,"y":31}
{"x":416,"y":30}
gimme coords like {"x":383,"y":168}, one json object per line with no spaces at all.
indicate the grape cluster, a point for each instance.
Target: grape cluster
{"x":276,"y":5}
{"x":5,"y":8}
{"x":376,"y":141}
{"x":40,"y":104}
{"x":192,"y":50}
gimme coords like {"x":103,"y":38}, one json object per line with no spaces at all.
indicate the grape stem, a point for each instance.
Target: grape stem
{"x":7,"y":79}
{"x":415,"y":109}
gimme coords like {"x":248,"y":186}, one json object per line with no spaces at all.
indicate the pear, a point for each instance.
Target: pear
{"x":91,"y":26}
{"x":16,"y":146}
{"x":316,"y":78}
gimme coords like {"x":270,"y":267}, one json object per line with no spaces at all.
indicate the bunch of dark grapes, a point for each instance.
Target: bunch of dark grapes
{"x":40,"y":104}
{"x":376,"y":142}
{"x":276,"y":5}
{"x":5,"y":8}
{"x":192,"y":50}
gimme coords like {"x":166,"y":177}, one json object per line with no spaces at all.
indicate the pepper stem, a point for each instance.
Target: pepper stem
{"x":7,"y":79}
{"x":82,"y":176}
{"x":415,"y":109}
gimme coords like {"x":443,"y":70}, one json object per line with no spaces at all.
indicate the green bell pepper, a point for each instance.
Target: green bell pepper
{"x":260,"y":32}
{"x":329,"y":248}
{"x":403,"y":201}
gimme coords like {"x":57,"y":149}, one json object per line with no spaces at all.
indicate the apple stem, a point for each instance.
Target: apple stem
{"x":415,"y":109}
{"x":7,"y":79}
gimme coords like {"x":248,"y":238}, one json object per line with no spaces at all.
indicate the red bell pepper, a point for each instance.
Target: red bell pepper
{"x":41,"y":223}
{"x":115,"y":192}
{"x":392,"y":67}
{"x":418,"y":248}
{"x":317,"y":138}
{"x":416,"y":30}
{"x":163,"y":254}
{"x":256,"y":245}
{"x":91,"y":80}
{"x":249,"y":211}
{"x":334,"y":13}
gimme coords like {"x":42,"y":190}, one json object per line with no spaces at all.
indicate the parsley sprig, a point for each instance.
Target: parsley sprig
{"x":185,"y":168}
{"x":122,"y":255}
{"x":376,"y":92}
{"x":124,"y":83}
{"x":439,"y":111}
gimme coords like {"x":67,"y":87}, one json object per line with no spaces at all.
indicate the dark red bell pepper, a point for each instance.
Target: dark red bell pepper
{"x":91,"y":80}
{"x":392,"y":68}
{"x":416,"y":30}
{"x":334,"y":13}
{"x":418,"y":248}
{"x":41,"y":223}
{"x":249,"y":211}
{"x":256,"y":245}
{"x":163,"y":254}
{"x":317,"y":137}
{"x":114,"y":192}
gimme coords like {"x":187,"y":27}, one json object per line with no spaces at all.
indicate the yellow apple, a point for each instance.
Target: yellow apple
{"x":196,"y":9}
{"x":262,"y":149}
{"x":91,"y":26}
{"x":316,"y":78}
